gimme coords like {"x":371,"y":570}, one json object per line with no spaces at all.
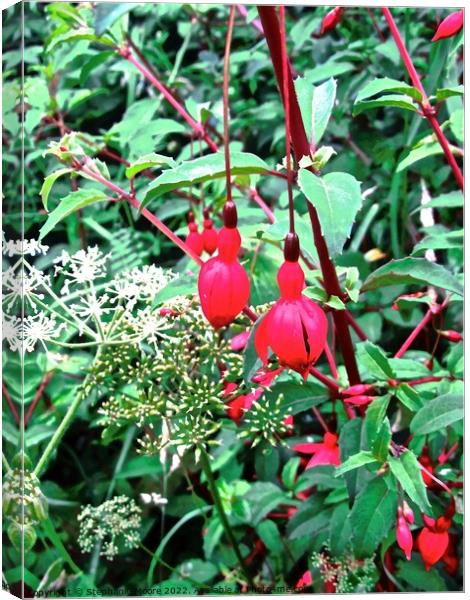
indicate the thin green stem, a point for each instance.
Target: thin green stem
{"x":5,"y":465}
{"x":206,"y":467}
{"x":63,"y":426}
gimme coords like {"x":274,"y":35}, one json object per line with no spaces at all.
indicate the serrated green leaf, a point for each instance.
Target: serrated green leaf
{"x":49,"y":182}
{"x":437,"y":414}
{"x":146,"y":162}
{"x":372,"y":516}
{"x":316,"y":104}
{"x":385,"y":84}
{"x":205,"y":168}
{"x":391,"y":100}
{"x":443,"y":93}
{"x":409,"y":397}
{"x":270,"y":536}
{"x":423,"y":151}
{"x":70,"y":204}
{"x":364,"y":457}
{"x":381,"y":445}
{"x":413,"y":270}
{"x":106,"y":14}
{"x":406,"y":469}
{"x":337,"y":199}
{"x":375,"y":416}
{"x":374,"y":361}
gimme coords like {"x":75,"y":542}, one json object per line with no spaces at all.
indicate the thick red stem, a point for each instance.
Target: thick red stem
{"x":37,"y":397}
{"x":301,"y":148}
{"x":428,"y":112}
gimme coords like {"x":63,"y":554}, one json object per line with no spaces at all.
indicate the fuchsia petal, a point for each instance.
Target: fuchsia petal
{"x":449,"y":26}
{"x":262,"y":339}
{"x":307,"y":447}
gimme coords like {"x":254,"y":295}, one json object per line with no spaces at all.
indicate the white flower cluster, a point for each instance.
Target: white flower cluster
{"x":105,"y":312}
{"x":22,"y":247}
{"x":115,"y":524}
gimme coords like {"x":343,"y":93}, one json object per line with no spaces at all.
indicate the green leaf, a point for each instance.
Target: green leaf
{"x":298,"y":395}
{"x":392,"y":100}
{"x":406,"y":470}
{"x":438,"y":414}
{"x":198,"y":570}
{"x":93,"y":63}
{"x":323,"y":475}
{"x":106,"y":14}
{"x":49,"y":182}
{"x":340,"y":530}
{"x":456,"y":124}
{"x":418,"y":578}
{"x":205,"y":168}
{"x":444,"y":240}
{"x":70,"y":204}
{"x":443,"y":93}
{"x":423,"y":151}
{"x":372,"y":516}
{"x":412,"y":270}
{"x":450,"y":200}
{"x":270,"y":536}
{"x":316,"y":104}
{"x":364,"y":457}
{"x":184,"y":285}
{"x":74,"y":35}
{"x":381,"y":445}
{"x":251,"y":361}
{"x":385,"y":84}
{"x":146,"y":162}
{"x":409,"y":397}
{"x":352,"y":440}
{"x":289,"y":472}
{"x":309,"y":519}
{"x":374,"y":361}
{"x":375,"y":416}
{"x":263,"y":497}
{"x":337,"y":199}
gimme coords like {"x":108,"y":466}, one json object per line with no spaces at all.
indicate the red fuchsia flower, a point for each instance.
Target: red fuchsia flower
{"x":305,"y":581}
{"x":238,"y":342}
{"x":209,"y":234}
{"x":295,"y":328}
{"x":194,"y":239}
{"x":425,"y":460}
{"x":403,"y":533}
{"x":331,"y":20}
{"x":223,"y":284}
{"x":451,"y":335}
{"x":449,"y":26}
{"x":433,"y":541}
{"x":323,"y":453}
{"x":450,"y":558}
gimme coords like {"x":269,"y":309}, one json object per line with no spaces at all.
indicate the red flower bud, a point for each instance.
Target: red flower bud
{"x":209,"y":237}
{"x":451,"y":335}
{"x":358,"y":390}
{"x":238,"y":342}
{"x":449,"y":26}
{"x":265,"y":378}
{"x":361,"y":400}
{"x":295,"y":328}
{"x":432,"y":546}
{"x":194,"y":239}
{"x":223,"y":284}
{"x":305,"y":581}
{"x":408,"y":513}
{"x":404,"y":537}
{"x":331,"y":20}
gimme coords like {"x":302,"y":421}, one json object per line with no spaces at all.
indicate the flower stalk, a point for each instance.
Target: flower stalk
{"x":426,"y":108}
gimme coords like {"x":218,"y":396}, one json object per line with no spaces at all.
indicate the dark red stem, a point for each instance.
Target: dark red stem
{"x":228,"y":44}
{"x":427,"y":110}
{"x":301,"y":148}
{"x":11,"y":404}
{"x":37,"y":397}
{"x":419,"y":327}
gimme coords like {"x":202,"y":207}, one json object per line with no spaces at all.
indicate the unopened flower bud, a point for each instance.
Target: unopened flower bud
{"x":404,"y":537}
{"x":358,"y":390}
{"x":408,"y":513}
{"x":451,"y":335}
{"x":449,"y":26}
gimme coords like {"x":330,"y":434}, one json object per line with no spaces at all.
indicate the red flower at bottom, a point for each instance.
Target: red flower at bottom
{"x":295,"y":328}
{"x":432,"y":546}
{"x":324,"y":453}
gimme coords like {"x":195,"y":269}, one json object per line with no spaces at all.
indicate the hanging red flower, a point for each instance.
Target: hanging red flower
{"x":295,"y":328}
{"x":223,"y":284}
{"x":323,"y":453}
{"x":331,"y":20}
{"x":432,"y":546}
{"x":305,"y":581}
{"x":194,"y":238}
{"x":209,"y":234}
{"x":449,"y":26}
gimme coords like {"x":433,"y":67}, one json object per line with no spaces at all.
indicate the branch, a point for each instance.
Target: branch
{"x":427,"y":110}
{"x":302,"y":148}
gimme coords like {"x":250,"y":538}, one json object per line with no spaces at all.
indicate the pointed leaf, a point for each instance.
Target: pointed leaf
{"x":316,"y":104}
{"x":49,"y":182}
{"x":70,"y":204}
{"x":364,"y":457}
{"x":413,"y":270}
{"x":438,"y":414}
{"x":406,"y":470}
{"x":392,"y":100}
{"x":385,"y":84}
{"x":337,"y":199}
{"x":146,"y":162}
